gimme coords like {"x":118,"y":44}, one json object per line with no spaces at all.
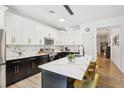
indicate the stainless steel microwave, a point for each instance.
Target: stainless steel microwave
{"x":48,"y":41}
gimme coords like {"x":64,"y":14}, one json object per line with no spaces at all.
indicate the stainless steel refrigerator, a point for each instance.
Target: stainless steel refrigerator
{"x":2,"y":59}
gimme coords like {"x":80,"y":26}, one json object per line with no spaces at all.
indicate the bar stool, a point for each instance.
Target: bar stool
{"x":92,"y":69}
{"x":87,"y":83}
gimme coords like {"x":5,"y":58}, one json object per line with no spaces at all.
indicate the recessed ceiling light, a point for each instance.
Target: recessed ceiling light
{"x":71,"y":29}
{"x":67,"y":28}
{"x":62,"y":19}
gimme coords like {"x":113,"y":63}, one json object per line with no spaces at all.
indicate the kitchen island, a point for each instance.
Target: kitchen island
{"x":56,"y":73}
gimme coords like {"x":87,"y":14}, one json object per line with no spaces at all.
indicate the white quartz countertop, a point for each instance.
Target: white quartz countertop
{"x":26,"y":55}
{"x":74,"y":69}
{"x":14,"y":57}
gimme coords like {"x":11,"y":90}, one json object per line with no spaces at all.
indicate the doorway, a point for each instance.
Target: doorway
{"x":104,"y":42}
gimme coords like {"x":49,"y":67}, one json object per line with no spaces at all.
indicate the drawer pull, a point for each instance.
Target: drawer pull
{"x":16,"y":61}
{"x":32,"y":58}
{"x":33,"y":65}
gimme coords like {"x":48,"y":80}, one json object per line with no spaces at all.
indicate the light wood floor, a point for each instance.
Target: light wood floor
{"x":110,"y":77}
{"x":31,"y":82}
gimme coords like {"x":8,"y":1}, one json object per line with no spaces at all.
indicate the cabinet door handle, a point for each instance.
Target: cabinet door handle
{"x":40,"y":41}
{"x":14,"y":40}
{"x":18,"y":69}
{"x":28,"y":40}
{"x":15,"y":70}
{"x":16,"y":61}
{"x":32,"y":64}
{"x":32,"y":58}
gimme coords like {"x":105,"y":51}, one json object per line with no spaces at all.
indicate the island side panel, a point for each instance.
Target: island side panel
{"x":53,"y":80}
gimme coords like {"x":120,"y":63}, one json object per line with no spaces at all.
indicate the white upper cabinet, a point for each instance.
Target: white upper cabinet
{"x":70,"y":38}
{"x":1,"y":19}
{"x":13,"y":29}
{"x":63,"y":38}
{"x":76,"y":38}
{"x":87,"y":41}
{"x":66,"y":38}
{"x":22,"y":31}
{"x":2,"y":16}
{"x":40,"y":33}
{"x":29,"y":32}
{"x":56,"y":37}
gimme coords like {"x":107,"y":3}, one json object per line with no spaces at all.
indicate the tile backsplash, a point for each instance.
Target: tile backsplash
{"x":20,"y":50}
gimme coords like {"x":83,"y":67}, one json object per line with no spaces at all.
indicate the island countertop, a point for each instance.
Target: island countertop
{"x":75,"y":69}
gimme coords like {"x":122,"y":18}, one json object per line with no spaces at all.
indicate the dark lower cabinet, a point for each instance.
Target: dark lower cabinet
{"x":45,"y":59}
{"x":63,"y":54}
{"x":9,"y":73}
{"x":15,"y":71}
{"x":60,"y":55}
{"x":31,"y":66}
{"x":40,"y":60}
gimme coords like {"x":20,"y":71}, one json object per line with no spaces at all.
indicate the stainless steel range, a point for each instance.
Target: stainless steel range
{"x":2,"y":60}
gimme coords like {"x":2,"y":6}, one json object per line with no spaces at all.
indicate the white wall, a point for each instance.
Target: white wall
{"x":116,"y":50}
{"x":122,"y":48}
{"x":98,"y":44}
{"x":93,"y":31}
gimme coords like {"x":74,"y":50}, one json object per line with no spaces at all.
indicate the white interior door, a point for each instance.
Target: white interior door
{"x":88,"y":44}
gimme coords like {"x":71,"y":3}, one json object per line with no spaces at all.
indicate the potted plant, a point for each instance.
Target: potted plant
{"x":71,"y":57}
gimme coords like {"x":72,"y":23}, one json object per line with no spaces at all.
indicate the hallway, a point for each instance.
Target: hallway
{"x":110,"y":75}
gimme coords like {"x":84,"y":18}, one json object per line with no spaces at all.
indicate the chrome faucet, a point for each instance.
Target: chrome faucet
{"x":83,"y":50}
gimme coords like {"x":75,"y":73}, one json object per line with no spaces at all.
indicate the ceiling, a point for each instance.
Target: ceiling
{"x":82,"y":13}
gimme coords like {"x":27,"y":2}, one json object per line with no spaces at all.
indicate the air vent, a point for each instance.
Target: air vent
{"x":72,"y":28}
{"x":75,"y":27}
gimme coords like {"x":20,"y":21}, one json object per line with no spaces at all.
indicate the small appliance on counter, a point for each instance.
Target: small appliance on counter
{"x":67,"y":49}
{"x":52,"y":55}
{"x":40,"y":51}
